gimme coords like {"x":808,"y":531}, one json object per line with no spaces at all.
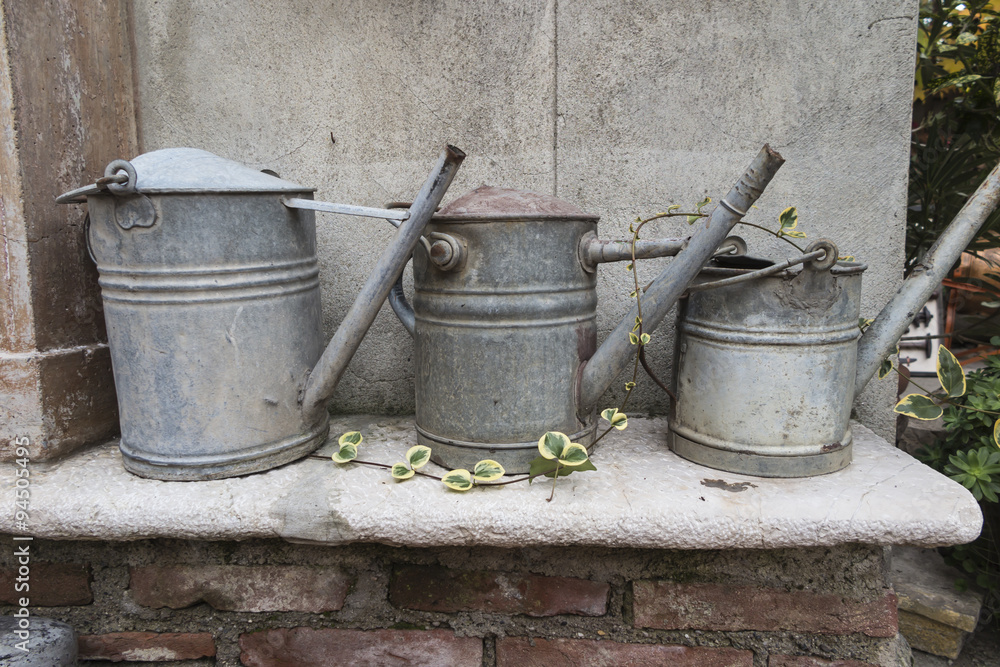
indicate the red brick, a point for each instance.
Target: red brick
{"x":812,"y":661}
{"x":146,"y":646}
{"x":669,"y":606}
{"x":444,"y":590}
{"x":525,"y":652}
{"x":305,"y":647}
{"x":241,"y":588}
{"x":49,"y":585}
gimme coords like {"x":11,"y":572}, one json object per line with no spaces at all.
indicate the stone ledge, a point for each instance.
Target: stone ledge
{"x":642,"y":496}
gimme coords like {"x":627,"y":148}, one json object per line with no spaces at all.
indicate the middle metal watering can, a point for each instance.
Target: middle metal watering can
{"x":504,"y":317}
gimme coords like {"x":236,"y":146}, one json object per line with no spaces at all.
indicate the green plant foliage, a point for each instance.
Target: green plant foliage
{"x":977,"y":470}
{"x":551,"y":445}
{"x":487,"y":471}
{"x":458,"y":480}
{"x":918,"y":406}
{"x":956,"y":109}
{"x":401,"y":471}
{"x":789,"y":220}
{"x":351,"y":437}
{"x":418,"y":456}
{"x":969,"y":453}
{"x":617,"y":419}
{"x":347,"y":452}
{"x":950,"y":373}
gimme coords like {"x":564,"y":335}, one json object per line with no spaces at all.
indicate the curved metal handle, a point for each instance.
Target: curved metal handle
{"x":821,"y":255}
{"x":402,"y":307}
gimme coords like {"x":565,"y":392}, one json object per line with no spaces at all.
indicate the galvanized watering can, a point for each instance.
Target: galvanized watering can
{"x":504,"y":317}
{"x":770,"y":360}
{"x":210,"y":285}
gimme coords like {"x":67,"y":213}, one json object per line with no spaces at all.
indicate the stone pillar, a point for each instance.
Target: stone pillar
{"x":66,"y":110}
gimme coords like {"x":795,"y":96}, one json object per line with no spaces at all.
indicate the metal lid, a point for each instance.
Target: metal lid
{"x":181,"y":170}
{"x":490,"y":203}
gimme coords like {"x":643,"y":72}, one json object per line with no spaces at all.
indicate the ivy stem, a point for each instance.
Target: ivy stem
{"x":554,"y":478}
{"x":773,"y":233}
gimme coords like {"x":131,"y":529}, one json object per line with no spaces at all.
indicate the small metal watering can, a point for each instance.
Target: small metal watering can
{"x":210,"y":285}
{"x":769,"y":360}
{"x":504,"y":317}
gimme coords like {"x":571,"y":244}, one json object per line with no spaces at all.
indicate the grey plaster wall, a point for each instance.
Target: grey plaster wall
{"x":621,"y":107}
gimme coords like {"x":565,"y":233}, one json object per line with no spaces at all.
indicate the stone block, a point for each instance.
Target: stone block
{"x":933,"y":615}
{"x":444,"y":590}
{"x":536,"y":652}
{"x":49,"y":585}
{"x":305,"y":647}
{"x":670,"y":606}
{"x":146,"y":646}
{"x":241,"y":588}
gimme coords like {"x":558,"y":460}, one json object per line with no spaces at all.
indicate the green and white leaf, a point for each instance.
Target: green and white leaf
{"x":487,"y":470}
{"x":950,"y":373}
{"x":788,"y":219}
{"x":703,"y":203}
{"x":673,"y":207}
{"x":552,"y":444}
{"x":919,"y":407}
{"x":865,"y":322}
{"x":400,"y":471}
{"x":632,"y":338}
{"x":966,"y":38}
{"x":644,"y":339}
{"x":629,"y":386}
{"x":846,"y":258}
{"x":458,"y":480}
{"x":691,"y":219}
{"x":347,"y":452}
{"x":996,"y":433}
{"x":351,"y":438}
{"x":574,"y":455}
{"x":617,"y":419}
{"x":418,"y":456}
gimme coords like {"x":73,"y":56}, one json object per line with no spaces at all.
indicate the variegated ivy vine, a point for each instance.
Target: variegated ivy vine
{"x":930,"y":405}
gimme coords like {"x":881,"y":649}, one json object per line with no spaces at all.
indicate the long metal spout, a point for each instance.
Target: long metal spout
{"x":880,"y":338}
{"x":323,"y":380}
{"x":616,"y":352}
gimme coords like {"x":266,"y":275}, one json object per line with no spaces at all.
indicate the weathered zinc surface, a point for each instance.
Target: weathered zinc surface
{"x":620,"y":108}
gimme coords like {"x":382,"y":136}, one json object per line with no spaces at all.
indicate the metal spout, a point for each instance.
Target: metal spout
{"x":323,"y":380}
{"x":616,"y":352}
{"x":880,"y":338}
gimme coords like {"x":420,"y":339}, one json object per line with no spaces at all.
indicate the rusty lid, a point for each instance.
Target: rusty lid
{"x":182,"y":170}
{"x":489,"y":203}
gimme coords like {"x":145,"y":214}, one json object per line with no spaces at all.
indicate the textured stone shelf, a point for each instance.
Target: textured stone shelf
{"x":641,"y":496}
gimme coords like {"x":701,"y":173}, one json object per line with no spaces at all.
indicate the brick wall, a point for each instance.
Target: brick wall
{"x":271,"y":603}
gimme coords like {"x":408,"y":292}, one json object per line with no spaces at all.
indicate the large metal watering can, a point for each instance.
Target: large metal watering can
{"x":210,"y":285}
{"x":504,"y":317}
{"x":769,"y":360}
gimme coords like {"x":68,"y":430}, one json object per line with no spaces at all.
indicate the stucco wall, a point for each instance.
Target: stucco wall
{"x":621,"y":107}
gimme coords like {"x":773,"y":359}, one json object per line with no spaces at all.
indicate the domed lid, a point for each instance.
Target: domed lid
{"x":493,"y":204}
{"x":184,"y":170}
